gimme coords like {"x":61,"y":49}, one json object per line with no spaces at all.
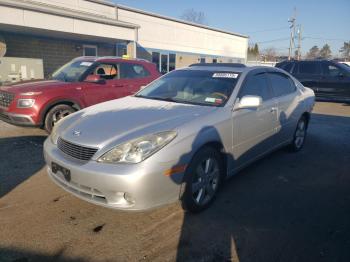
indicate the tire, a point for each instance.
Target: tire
{"x":55,"y":114}
{"x":202,"y":179}
{"x":299,"y":135}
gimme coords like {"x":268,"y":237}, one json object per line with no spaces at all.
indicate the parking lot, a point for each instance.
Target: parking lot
{"x":285,"y":207}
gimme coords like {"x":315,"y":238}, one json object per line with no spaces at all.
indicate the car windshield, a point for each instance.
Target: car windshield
{"x":212,"y":88}
{"x":72,"y":71}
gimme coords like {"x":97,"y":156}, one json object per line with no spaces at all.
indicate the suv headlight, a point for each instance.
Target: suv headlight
{"x":25,"y":103}
{"x":137,"y":150}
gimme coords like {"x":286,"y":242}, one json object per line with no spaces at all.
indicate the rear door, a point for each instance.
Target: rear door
{"x":286,"y":94}
{"x":134,"y":76}
{"x":335,"y":82}
{"x":309,"y":74}
{"x":254,"y":129}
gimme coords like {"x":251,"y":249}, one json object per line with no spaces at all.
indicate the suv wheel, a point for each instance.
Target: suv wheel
{"x":202,"y":177}
{"x":56,"y":114}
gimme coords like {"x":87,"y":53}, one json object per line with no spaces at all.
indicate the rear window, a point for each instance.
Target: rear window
{"x":310,"y":68}
{"x":281,"y":84}
{"x":287,"y":66}
{"x":131,"y":71}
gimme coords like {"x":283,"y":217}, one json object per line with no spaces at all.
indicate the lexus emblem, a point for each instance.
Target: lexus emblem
{"x":77,"y":133}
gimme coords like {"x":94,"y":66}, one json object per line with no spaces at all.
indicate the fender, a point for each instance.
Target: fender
{"x":54,"y":102}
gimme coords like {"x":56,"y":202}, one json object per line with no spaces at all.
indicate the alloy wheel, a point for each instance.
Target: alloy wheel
{"x":206,"y":181}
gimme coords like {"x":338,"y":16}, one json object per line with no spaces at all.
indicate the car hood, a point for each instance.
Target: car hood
{"x":32,"y":86}
{"x":119,"y":120}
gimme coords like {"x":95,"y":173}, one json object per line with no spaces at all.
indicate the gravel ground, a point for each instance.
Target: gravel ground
{"x":286,"y":207}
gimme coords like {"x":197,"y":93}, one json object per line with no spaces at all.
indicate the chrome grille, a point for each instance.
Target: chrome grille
{"x":76,"y":151}
{"x":6,"y":99}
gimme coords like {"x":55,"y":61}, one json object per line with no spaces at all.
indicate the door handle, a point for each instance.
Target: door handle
{"x":117,"y":85}
{"x":273,"y":109}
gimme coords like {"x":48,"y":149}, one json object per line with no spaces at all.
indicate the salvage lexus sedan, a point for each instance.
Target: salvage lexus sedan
{"x":179,"y":138}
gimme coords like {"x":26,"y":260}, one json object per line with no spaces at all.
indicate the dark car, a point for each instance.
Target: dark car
{"x":83,"y":82}
{"x":329,"y":79}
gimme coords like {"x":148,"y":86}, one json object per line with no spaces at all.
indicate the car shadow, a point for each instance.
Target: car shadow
{"x":19,"y":255}
{"x":20,"y":158}
{"x":284,"y":207}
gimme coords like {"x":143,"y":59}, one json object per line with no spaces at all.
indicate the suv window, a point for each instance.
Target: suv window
{"x":331,"y":70}
{"x":287,"y":66}
{"x":281,"y":84}
{"x":256,"y":85}
{"x":128,"y":70}
{"x":106,"y":71}
{"x":309,"y":67}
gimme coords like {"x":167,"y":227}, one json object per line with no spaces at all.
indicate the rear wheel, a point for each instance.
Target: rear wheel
{"x":299,"y":135}
{"x":203,"y":177}
{"x":55,"y":114}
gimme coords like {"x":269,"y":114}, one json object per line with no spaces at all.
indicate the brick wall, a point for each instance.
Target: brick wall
{"x":55,"y":52}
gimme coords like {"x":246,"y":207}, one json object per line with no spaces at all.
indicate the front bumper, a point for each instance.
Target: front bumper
{"x":123,"y":186}
{"x":16,"y":119}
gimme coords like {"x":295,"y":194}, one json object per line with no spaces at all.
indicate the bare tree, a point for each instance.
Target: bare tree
{"x":194,"y":16}
{"x":326,"y":52}
{"x":269,"y":54}
{"x":313,"y":53}
{"x":345,"y":50}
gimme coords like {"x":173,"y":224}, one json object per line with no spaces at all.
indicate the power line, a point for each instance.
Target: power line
{"x":322,"y":38}
{"x":273,"y":40}
{"x":269,"y":30}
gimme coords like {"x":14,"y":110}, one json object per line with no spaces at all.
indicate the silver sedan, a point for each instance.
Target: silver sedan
{"x":179,"y":138}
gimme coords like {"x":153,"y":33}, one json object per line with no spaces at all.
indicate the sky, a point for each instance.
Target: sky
{"x":322,"y":21}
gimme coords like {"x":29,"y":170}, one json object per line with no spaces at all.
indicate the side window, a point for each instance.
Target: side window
{"x":132,"y":71}
{"x":281,"y":84}
{"x":106,"y":71}
{"x":309,"y":68}
{"x":331,"y":70}
{"x":256,"y":85}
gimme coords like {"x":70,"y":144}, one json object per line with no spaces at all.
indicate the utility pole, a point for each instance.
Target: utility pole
{"x":292,"y":34}
{"x":299,"y":42}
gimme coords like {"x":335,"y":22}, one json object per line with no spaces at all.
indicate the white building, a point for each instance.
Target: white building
{"x":59,"y":30}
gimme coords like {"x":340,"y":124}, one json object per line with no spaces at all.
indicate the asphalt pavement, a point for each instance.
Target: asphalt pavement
{"x":285,"y":207}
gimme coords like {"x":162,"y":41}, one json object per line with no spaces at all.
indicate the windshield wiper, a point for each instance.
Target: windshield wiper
{"x":168,"y":99}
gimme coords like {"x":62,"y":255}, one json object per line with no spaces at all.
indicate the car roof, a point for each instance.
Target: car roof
{"x":228,"y":68}
{"x":107,"y":58}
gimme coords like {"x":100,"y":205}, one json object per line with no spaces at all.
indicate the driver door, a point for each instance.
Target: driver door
{"x":110,"y":89}
{"x":254,"y":129}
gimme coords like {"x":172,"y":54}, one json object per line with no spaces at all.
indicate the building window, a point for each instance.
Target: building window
{"x":215,"y":60}
{"x":156,"y":59}
{"x":89,"y":50}
{"x":122,"y":49}
{"x":172,"y":62}
{"x":202,"y":60}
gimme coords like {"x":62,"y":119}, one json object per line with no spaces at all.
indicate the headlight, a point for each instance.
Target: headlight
{"x":54,"y":135}
{"x":137,"y":150}
{"x":25,"y":103}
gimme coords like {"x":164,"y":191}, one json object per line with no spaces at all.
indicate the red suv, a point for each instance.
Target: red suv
{"x":83,"y":82}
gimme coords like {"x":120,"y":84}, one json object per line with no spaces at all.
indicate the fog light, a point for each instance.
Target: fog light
{"x":129,"y":198}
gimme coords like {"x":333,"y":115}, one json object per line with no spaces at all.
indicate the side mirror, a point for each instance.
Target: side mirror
{"x":251,"y":102}
{"x":95,"y":79}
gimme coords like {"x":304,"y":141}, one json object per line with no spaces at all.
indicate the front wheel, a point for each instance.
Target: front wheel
{"x":55,"y":114}
{"x":299,"y":135}
{"x":203,"y":177}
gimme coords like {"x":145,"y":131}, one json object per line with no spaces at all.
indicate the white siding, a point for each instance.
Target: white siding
{"x":165,"y":34}
{"x":83,"y":6}
{"x":38,"y":20}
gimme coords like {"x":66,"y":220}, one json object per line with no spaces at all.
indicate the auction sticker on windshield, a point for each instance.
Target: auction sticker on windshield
{"x":225,"y":75}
